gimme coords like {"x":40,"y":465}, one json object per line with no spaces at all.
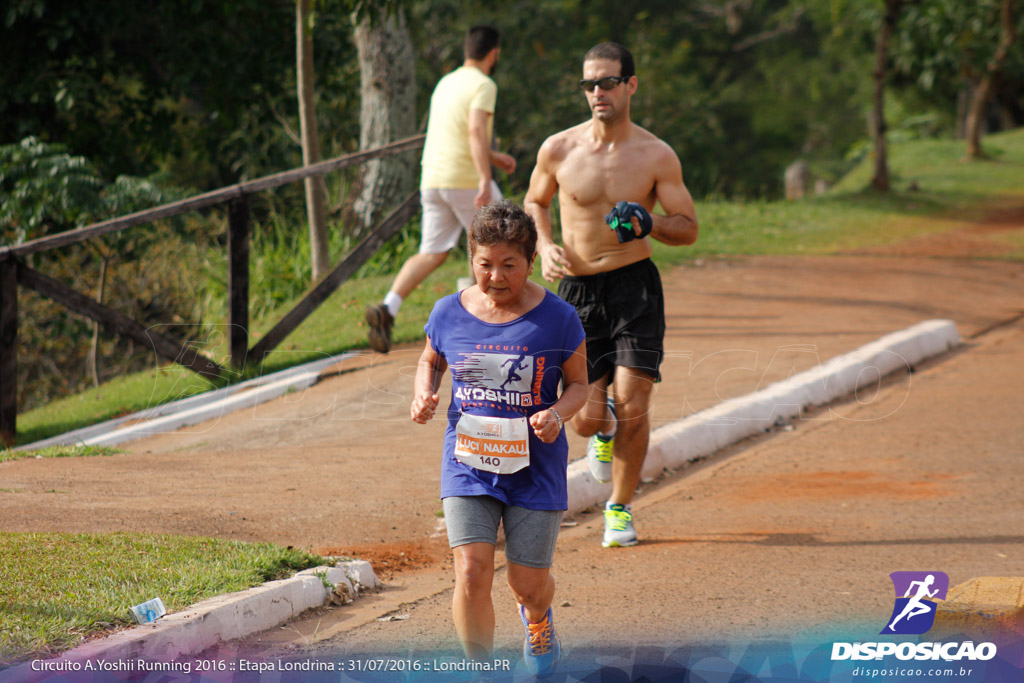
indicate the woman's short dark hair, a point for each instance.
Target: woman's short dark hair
{"x":504,"y":222}
{"x":615,"y":53}
{"x":480,"y":40}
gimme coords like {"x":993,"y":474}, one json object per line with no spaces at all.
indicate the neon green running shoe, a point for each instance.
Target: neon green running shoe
{"x":619,"y":531}
{"x":599,"y":457}
{"x":599,"y":453}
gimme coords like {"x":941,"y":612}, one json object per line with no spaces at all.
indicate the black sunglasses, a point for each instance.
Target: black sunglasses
{"x":606,"y":83}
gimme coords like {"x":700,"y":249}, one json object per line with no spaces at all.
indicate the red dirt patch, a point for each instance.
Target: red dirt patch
{"x":962,"y":239}
{"x":392,"y":558}
{"x":1010,"y":218}
{"x":825,"y":485}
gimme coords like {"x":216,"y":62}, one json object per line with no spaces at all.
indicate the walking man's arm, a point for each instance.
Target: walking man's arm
{"x":480,"y":150}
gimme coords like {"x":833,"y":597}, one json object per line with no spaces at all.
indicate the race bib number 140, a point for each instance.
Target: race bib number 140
{"x":493,"y":444}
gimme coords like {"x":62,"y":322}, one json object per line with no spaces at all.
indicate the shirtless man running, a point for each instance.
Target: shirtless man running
{"x":609,"y":174}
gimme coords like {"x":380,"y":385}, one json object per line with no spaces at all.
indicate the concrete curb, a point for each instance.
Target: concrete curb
{"x":195,"y":409}
{"x":984,"y":608}
{"x":209,"y":622}
{"x":707,"y":431}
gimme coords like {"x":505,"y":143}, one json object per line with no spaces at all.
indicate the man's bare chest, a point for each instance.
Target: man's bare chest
{"x":603,"y":179}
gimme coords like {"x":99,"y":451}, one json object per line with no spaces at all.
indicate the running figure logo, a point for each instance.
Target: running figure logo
{"x":916,"y":592}
{"x":498,"y":371}
{"x":515,"y":364}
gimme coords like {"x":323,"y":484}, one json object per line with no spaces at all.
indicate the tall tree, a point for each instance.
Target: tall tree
{"x":985,"y":86}
{"x":316,"y":202}
{"x":880,"y":177}
{"x":387,"y":68}
{"x":140,"y":87}
{"x":949,"y":46}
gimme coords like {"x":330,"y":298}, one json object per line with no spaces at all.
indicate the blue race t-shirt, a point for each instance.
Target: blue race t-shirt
{"x":511,"y":369}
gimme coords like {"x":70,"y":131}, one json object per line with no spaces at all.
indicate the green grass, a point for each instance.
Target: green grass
{"x":850,"y":217}
{"x":847,"y":218}
{"x":57,"y":452}
{"x":119,"y":396}
{"x":60,"y":589}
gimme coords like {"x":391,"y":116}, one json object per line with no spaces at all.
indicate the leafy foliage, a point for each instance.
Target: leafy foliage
{"x":47,"y":190}
{"x":944,"y":49}
{"x":203,"y":93}
{"x":193,"y":89}
{"x":942,"y":42}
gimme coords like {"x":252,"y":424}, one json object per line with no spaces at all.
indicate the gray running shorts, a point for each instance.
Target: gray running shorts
{"x":530,"y":535}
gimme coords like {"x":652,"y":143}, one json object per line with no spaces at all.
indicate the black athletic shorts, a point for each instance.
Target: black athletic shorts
{"x":623,"y":315}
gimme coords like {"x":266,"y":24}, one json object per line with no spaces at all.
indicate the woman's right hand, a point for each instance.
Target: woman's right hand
{"x":423,"y":407}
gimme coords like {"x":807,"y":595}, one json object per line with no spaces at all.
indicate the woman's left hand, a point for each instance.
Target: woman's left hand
{"x":423,"y":407}
{"x":545,"y":426}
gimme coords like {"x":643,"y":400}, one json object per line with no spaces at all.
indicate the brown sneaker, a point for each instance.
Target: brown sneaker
{"x":380,"y":321}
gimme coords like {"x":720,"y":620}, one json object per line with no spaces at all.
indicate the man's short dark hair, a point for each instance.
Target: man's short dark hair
{"x":615,"y":53}
{"x":480,"y":40}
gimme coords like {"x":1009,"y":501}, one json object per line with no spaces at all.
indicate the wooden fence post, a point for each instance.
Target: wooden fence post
{"x":8,"y":351}
{"x":349,"y":265}
{"x":238,"y":280}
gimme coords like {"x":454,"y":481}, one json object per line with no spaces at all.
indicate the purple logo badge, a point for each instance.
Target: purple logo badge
{"x":916,"y":593}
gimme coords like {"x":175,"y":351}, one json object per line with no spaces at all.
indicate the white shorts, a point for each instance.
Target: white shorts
{"x":446,"y":213}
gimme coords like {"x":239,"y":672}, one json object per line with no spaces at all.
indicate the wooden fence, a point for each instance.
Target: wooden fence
{"x":14,"y":272}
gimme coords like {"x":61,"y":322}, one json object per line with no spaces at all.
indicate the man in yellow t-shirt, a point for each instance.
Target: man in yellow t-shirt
{"x":456,"y":179}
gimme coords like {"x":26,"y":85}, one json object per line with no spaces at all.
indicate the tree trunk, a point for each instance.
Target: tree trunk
{"x":387,"y":112}
{"x":880,"y":178}
{"x":316,"y":204}
{"x":92,"y":359}
{"x":982,"y":94}
{"x":974,"y":126}
{"x":963,"y":104}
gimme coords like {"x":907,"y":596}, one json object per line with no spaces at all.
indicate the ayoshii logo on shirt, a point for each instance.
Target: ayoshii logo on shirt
{"x":504,"y":378}
{"x":916,"y":593}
